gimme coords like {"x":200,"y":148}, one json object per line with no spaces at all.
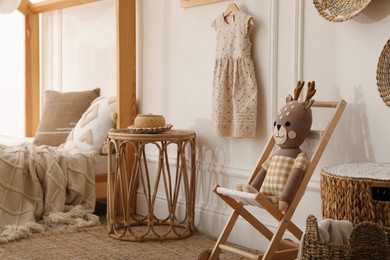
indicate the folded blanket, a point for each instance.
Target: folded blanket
{"x":330,"y":231}
{"x":44,"y":185}
{"x":335,"y":231}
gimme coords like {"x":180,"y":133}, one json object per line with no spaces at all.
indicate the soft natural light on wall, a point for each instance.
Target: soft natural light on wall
{"x":8,"y":6}
{"x":12,"y":74}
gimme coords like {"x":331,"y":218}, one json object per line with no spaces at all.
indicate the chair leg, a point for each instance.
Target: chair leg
{"x":276,"y":239}
{"x":224,"y":235}
{"x":243,"y":212}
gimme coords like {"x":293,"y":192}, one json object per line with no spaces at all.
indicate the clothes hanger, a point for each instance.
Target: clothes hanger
{"x":232,"y":8}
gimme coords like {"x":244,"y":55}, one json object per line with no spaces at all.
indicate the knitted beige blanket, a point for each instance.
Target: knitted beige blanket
{"x":43,"y":187}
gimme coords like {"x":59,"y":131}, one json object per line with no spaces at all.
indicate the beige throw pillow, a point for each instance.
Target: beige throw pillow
{"x":91,"y":130}
{"x":61,"y":112}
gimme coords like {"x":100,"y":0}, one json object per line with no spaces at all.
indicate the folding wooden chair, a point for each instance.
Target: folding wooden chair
{"x":278,"y":247}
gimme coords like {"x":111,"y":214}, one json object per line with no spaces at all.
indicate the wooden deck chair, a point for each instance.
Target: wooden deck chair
{"x":278,"y":247}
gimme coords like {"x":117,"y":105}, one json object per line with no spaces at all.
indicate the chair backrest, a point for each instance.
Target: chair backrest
{"x":315,"y":143}
{"x":324,"y":138}
{"x":311,"y":142}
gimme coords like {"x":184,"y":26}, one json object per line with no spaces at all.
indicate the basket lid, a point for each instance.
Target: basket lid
{"x":375,"y":171}
{"x":383,"y":74}
{"x":340,"y":10}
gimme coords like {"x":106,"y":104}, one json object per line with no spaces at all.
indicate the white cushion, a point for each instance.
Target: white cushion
{"x":91,"y":130}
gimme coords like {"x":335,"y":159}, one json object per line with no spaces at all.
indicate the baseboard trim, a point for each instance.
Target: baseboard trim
{"x":211,"y":221}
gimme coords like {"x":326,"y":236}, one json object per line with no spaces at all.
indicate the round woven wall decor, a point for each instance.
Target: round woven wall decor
{"x":340,"y":10}
{"x":383,"y":74}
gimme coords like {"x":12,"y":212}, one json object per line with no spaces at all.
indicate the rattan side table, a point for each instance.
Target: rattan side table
{"x":357,"y":192}
{"x":146,"y":203}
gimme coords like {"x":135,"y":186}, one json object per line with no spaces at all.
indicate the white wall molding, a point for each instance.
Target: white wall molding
{"x":51,"y":52}
{"x":57,"y":50}
{"x":298,"y":41}
{"x":57,"y":46}
{"x":273,"y":63}
{"x":231,"y":171}
{"x":46,"y":51}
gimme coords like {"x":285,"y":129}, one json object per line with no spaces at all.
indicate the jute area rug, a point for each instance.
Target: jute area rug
{"x":94,"y":243}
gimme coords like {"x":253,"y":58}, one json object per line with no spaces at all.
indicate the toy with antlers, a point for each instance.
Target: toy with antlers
{"x":281,"y":174}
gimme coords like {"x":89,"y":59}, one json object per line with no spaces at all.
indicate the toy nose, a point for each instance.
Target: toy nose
{"x":278,"y":127}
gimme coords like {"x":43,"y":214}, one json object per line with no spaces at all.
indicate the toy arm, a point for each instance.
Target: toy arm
{"x":291,"y":187}
{"x":259,"y":179}
{"x":254,"y":185}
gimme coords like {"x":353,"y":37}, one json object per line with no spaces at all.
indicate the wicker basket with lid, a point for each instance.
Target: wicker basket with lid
{"x":357,"y":192}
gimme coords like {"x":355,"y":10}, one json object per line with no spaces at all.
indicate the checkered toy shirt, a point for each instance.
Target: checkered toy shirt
{"x":278,"y":169}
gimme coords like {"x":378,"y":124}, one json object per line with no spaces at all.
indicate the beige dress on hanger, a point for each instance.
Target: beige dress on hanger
{"x":234,"y":101}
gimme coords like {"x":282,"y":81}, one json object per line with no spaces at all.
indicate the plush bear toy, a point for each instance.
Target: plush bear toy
{"x":281,"y":174}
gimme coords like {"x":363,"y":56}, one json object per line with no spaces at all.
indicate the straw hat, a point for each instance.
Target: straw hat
{"x":340,"y":10}
{"x":383,"y":74}
{"x":8,"y":6}
{"x":149,"y":120}
{"x":149,"y":123}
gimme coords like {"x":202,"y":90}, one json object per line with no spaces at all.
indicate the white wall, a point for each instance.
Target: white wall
{"x":176,"y":50}
{"x":78,"y":52}
{"x":12,"y":74}
{"x":79,"y":48}
{"x":290,"y":42}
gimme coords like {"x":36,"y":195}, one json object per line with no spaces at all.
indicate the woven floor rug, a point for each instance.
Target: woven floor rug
{"x":94,"y":243}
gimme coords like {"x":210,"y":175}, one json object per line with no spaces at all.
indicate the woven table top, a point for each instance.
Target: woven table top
{"x":377,"y":171}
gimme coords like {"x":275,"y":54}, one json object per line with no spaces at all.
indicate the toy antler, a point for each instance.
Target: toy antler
{"x":298,"y":89}
{"x":310,"y":91}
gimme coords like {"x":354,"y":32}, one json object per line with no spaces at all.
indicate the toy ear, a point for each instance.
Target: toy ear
{"x":309,"y":103}
{"x":289,"y":98}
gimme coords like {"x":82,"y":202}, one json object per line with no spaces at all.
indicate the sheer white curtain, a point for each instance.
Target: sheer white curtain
{"x":79,"y":48}
{"x":12,"y":74}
